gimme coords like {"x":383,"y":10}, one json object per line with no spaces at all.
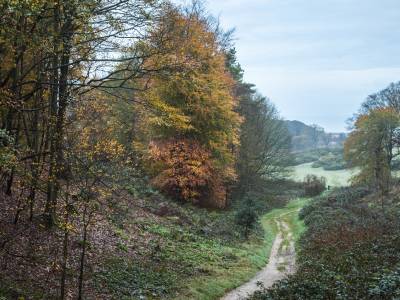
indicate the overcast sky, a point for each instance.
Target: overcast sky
{"x":316,"y":59}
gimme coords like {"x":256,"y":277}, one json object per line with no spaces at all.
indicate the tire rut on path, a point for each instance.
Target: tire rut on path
{"x":282,"y":261}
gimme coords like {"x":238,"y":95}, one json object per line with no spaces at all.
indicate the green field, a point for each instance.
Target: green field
{"x":333,"y":178}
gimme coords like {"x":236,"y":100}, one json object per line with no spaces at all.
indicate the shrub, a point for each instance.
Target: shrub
{"x":313,"y":185}
{"x":331,"y":161}
{"x":328,"y":159}
{"x":350,"y":250}
{"x":7,"y":153}
{"x":388,"y":286}
{"x":246,"y":216}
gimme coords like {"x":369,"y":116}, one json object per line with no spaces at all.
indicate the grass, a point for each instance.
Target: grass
{"x":202,"y":260}
{"x":252,"y":256}
{"x":292,"y":218}
{"x":288,"y":214}
{"x":334,"y":178}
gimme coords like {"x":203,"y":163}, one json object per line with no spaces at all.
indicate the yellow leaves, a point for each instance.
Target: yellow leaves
{"x":105,"y":193}
{"x":97,"y":146}
{"x":383,"y":116}
{"x":370,"y":144}
{"x":69,"y":227}
{"x":109,"y":148}
{"x":26,"y":3}
{"x":167,"y":115}
{"x":97,"y":139}
{"x":196,"y":99}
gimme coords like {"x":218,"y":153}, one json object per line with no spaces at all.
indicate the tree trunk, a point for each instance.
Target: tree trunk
{"x":16,"y":90}
{"x":54,"y":92}
{"x":65,"y":247}
{"x":83,"y":254}
{"x":57,"y":151}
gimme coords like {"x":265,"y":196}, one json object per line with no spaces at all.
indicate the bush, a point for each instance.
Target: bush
{"x":388,"y":286}
{"x":7,"y":153}
{"x":313,"y":185}
{"x":307,"y":156}
{"x":350,"y":250}
{"x":328,"y":159}
{"x":246,"y":216}
{"x":331,"y":161}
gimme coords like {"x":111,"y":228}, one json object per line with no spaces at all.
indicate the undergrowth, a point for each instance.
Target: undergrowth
{"x":191,"y":253}
{"x":350,"y":250}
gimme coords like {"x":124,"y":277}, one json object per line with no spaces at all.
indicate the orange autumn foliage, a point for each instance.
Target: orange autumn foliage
{"x":186,"y":172}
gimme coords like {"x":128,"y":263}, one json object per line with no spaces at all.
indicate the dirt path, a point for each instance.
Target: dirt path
{"x":281,"y":262}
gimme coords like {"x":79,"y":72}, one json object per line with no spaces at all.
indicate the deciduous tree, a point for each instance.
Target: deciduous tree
{"x":370,"y":146}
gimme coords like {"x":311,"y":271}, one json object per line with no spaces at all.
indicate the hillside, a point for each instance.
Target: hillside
{"x":309,"y":137}
{"x":129,"y":167}
{"x":141,"y":246}
{"x":350,"y":249}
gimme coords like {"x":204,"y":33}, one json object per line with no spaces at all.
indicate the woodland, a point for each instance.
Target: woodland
{"x":137,"y":163}
{"x":109,"y":109}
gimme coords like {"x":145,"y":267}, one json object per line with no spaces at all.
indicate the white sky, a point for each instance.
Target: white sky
{"x":316,"y":59}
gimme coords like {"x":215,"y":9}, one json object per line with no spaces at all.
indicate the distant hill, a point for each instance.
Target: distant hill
{"x":308,"y":137}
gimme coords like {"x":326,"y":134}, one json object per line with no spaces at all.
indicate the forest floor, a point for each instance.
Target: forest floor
{"x":282,"y":260}
{"x":146,"y":247}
